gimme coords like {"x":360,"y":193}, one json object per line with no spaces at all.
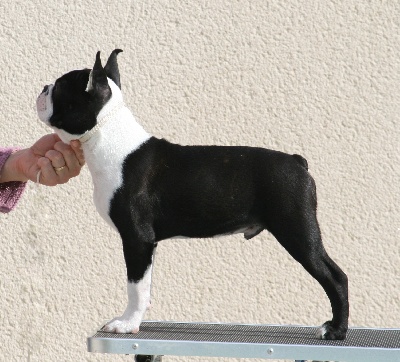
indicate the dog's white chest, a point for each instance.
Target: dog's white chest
{"x":105,"y":154}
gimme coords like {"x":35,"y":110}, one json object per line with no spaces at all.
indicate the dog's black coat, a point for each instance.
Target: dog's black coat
{"x":218,"y":190}
{"x":202,"y":191}
{"x":170,"y":190}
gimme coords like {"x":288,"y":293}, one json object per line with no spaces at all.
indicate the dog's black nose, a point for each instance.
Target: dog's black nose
{"x":45,"y":89}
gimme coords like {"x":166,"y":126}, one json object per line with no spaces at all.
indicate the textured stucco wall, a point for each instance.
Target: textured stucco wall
{"x":319,"y":78}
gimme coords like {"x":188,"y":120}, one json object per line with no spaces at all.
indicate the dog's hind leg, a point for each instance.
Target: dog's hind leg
{"x":301,"y":238}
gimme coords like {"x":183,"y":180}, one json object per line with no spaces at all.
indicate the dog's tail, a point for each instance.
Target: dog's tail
{"x":301,"y":160}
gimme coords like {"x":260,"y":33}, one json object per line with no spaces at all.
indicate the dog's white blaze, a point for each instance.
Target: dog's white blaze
{"x":138,"y":302}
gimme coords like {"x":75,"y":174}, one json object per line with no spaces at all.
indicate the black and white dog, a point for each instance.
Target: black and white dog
{"x":149,"y":189}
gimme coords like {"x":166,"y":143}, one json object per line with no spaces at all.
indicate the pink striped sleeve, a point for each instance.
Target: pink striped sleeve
{"x":10,"y":192}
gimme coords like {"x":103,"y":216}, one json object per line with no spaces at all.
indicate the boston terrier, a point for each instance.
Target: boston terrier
{"x":150,"y":189}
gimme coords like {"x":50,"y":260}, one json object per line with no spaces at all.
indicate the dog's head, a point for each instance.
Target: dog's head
{"x":71,"y":105}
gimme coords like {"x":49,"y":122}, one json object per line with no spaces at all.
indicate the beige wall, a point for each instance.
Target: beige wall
{"x":317,"y":78}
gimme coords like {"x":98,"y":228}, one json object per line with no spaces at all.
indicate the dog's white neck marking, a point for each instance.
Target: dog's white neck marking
{"x":107,"y":147}
{"x":101,"y":121}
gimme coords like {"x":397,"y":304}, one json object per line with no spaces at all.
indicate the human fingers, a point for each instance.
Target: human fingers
{"x":48,"y":175}
{"x":72,"y":159}
{"x":56,"y":158}
{"x":44,"y":144}
{"x":77,"y":147}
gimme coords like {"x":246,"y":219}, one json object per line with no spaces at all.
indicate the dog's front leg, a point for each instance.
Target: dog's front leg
{"x":139,"y":263}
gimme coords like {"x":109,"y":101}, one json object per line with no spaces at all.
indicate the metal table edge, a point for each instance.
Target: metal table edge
{"x":241,"y":350}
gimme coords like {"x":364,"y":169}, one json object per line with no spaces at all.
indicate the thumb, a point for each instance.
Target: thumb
{"x":77,"y":148}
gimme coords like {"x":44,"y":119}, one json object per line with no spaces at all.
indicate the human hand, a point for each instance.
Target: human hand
{"x":48,"y":161}
{"x":58,"y":162}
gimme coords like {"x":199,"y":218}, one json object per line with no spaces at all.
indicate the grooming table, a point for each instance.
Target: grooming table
{"x":158,"y":338}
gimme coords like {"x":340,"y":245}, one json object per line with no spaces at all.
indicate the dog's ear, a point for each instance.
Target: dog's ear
{"x":82,"y":78}
{"x":98,"y":86}
{"x":111,"y":67}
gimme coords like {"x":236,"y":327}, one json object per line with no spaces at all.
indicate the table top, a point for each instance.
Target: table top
{"x":247,"y":340}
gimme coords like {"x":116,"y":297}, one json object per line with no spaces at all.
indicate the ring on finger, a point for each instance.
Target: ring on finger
{"x":58,"y":169}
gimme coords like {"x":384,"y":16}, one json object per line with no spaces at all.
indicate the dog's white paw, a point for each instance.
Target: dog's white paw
{"x":138,"y":303}
{"x":321,"y":332}
{"x":329,"y":332}
{"x":122,"y":325}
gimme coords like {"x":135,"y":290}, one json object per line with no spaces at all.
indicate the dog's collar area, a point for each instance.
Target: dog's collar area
{"x":102,"y":121}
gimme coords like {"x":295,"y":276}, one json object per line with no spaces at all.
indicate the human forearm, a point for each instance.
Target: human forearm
{"x":10,"y":192}
{"x":11,"y":170}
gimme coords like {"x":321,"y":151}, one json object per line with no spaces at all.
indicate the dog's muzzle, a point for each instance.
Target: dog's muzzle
{"x":45,"y":90}
{"x":44,"y":104}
